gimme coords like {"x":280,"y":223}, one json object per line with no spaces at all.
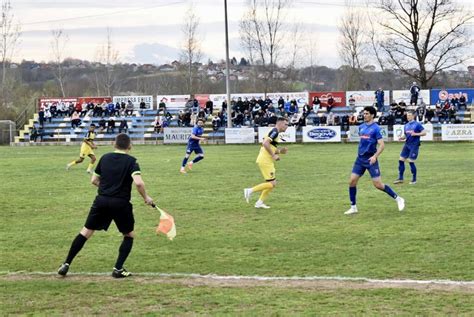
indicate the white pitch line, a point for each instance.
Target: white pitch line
{"x":262,"y":278}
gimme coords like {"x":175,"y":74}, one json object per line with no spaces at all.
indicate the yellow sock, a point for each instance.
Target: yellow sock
{"x":265,"y":194}
{"x":89,"y":168}
{"x":262,"y":186}
{"x":72,"y":163}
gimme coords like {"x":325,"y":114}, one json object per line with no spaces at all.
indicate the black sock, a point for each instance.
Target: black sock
{"x":76,"y":246}
{"x":124,"y":251}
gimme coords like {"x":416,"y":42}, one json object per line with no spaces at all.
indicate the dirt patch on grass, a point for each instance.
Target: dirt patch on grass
{"x":250,"y":282}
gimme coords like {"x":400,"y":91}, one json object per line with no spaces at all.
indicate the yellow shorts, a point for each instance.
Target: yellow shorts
{"x":267,"y":170}
{"x":86,"y":150}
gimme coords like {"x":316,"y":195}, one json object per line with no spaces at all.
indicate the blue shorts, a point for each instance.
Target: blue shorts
{"x":362,"y":163}
{"x":410,"y":152}
{"x":194,"y":148}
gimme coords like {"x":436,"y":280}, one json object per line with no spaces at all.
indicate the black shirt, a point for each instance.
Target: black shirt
{"x":115,"y":171}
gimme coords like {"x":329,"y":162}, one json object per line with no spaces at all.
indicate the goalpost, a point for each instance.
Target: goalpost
{"x":7,"y":132}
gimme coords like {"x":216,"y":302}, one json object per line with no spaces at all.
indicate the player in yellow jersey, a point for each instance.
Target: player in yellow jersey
{"x":87,"y":149}
{"x":269,"y":153}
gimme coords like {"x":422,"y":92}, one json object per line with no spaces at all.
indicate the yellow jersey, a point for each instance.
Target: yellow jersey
{"x":265,"y":157}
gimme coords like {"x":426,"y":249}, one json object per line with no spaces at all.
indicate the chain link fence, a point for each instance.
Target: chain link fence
{"x":7,"y":132}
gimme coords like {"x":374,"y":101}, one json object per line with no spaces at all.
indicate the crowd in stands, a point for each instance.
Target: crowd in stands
{"x":251,"y":112}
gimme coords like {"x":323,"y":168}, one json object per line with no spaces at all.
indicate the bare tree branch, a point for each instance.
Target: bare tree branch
{"x":58,"y":45}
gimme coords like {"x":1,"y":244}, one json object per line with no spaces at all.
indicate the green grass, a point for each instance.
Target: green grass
{"x":304,"y":233}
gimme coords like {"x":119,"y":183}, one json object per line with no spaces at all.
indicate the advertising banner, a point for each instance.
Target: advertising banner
{"x":398,"y":132}
{"x":443,"y":94}
{"x":202,"y":99}
{"x":457,"y":132}
{"x":339,"y":97}
{"x":136,"y":100}
{"x":405,"y":96}
{"x":173,"y":101}
{"x":353,"y":133}
{"x":322,"y":134}
{"x":239,"y":135}
{"x":176,"y":135}
{"x":363,"y":98}
{"x":289,"y":136}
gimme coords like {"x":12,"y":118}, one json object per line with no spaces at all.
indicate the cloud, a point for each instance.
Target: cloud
{"x":153,"y":53}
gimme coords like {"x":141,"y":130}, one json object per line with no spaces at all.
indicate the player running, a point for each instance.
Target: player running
{"x":87,"y":148}
{"x":368,"y":154}
{"x":413,"y":131}
{"x":265,"y":160}
{"x":194,"y":146}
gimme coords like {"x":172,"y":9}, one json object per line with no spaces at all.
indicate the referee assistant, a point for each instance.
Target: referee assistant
{"x":114,"y":176}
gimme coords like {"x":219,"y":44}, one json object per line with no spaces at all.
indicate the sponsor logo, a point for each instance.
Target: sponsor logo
{"x":321,"y":134}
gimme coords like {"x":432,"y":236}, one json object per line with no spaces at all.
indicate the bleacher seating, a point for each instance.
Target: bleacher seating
{"x":141,"y":127}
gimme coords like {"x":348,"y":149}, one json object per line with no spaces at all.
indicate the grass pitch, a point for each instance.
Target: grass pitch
{"x":304,"y":233}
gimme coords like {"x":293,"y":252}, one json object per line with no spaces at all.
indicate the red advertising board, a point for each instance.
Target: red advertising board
{"x":339,"y":97}
{"x":74,"y":100}
{"x":202,"y":99}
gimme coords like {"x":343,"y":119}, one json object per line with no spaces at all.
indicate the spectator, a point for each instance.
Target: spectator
{"x":142,"y":107}
{"x":111,"y":125}
{"x":316,"y":104}
{"x":421,"y":112}
{"x":256,"y":109}
{"x":247,"y":119}
{"x":41,"y":116}
{"x":353,"y":119}
{"x":75,"y":120}
{"x":429,"y":115}
{"x":351,"y":102}
{"x":216,"y":123}
{"x":54,"y":110}
{"x":281,"y":104}
{"x":379,"y":99}
{"x":62,"y":109}
{"x":293,"y":107}
{"x":110,"y":109}
{"x":158,"y":127}
{"x":123,"y":125}
{"x":162,"y":105}
{"x":90,"y":109}
{"x":47,"y":115}
{"x":79,"y":108}
{"x":414,"y":93}
{"x":129,"y":108}
{"x":71,"y":108}
{"x":35,"y":133}
{"x":117,"y":108}
{"x":97,"y":111}
{"x":331,"y":118}
{"x":209,"y":106}
{"x":462,"y":103}
{"x":330,"y":103}
{"x":102,"y":124}
{"x":224,"y":106}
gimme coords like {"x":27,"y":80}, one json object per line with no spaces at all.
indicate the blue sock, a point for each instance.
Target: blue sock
{"x":401,"y":169}
{"x":390,"y":191}
{"x":413,"y":170}
{"x":185,"y":160}
{"x":352,"y":195}
{"x":198,"y":158}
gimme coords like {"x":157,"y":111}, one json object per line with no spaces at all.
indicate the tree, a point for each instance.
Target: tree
{"x":423,"y":38}
{"x":352,"y":44}
{"x":10,"y":34}
{"x":262,"y":34}
{"x":58,"y":44}
{"x":108,"y":75}
{"x":191,"y":49}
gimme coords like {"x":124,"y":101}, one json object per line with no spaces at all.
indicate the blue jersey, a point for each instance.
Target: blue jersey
{"x":197,"y":131}
{"x":410,"y":127}
{"x":369,"y":135}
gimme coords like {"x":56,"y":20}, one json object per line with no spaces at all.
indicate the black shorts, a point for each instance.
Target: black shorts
{"x":105,"y":209}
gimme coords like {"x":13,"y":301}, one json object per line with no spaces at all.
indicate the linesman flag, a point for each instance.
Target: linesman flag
{"x":166,"y":225}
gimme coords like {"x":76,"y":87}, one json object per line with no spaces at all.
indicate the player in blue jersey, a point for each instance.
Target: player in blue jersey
{"x":413,"y":131}
{"x":194,"y":146}
{"x":368,"y":154}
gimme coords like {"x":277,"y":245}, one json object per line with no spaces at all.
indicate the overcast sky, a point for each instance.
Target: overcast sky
{"x":149,"y":31}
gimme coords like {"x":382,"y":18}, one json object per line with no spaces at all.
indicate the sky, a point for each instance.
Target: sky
{"x":149,"y":31}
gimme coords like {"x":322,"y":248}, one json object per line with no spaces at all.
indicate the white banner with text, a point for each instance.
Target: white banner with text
{"x":176,"y":135}
{"x":289,"y":136}
{"x":239,"y":135}
{"x":322,"y":134}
